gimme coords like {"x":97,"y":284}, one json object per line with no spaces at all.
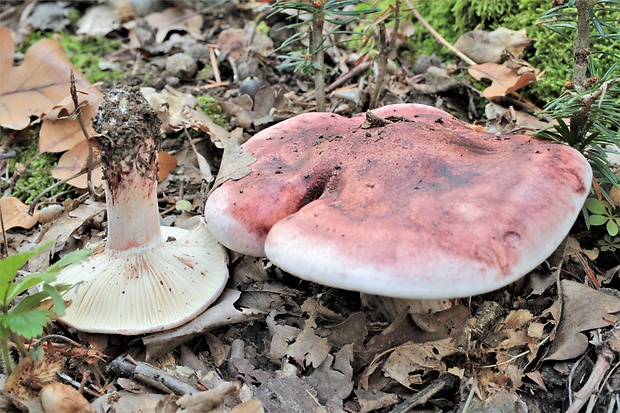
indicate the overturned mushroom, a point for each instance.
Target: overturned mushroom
{"x":405,"y":202}
{"x":147,"y":278}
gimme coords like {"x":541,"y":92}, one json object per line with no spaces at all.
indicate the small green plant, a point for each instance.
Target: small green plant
{"x":609,"y":243}
{"x":22,"y":320}
{"x":602,"y":213}
{"x":316,"y":23}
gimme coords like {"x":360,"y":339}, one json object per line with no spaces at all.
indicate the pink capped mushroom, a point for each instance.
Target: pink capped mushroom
{"x":148,"y":278}
{"x":404,"y":202}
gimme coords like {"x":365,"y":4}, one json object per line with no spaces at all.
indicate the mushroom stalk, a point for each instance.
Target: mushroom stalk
{"x":147,"y":278}
{"x":130,"y":165}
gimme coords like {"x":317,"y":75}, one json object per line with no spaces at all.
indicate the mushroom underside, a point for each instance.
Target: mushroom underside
{"x":140,"y":292}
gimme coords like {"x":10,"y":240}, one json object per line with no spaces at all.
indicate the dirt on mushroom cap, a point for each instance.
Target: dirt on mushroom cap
{"x":416,"y":202}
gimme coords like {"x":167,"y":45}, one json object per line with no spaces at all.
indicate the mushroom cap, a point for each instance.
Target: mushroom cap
{"x":161,"y":287}
{"x":408,"y":203}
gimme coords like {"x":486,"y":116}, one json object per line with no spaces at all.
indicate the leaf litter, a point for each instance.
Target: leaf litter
{"x":273,"y":343}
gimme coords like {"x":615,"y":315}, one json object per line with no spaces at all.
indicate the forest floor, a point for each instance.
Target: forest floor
{"x":273,"y":342}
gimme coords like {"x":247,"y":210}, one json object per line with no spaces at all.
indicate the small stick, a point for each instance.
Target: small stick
{"x":438,"y":36}
{"x":125,"y":366}
{"x":36,"y":199}
{"x":421,"y":397}
{"x":362,"y":67}
{"x":602,"y":366}
{"x":78,"y":113}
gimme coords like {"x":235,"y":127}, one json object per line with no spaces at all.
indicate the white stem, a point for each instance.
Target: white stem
{"x":129,"y":139}
{"x":133,"y":217}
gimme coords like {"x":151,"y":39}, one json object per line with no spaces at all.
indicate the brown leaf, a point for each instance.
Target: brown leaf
{"x":30,"y":375}
{"x":167,"y":163}
{"x":74,"y":161}
{"x":505,"y":80}
{"x":484,"y":47}
{"x":408,"y":363}
{"x":583,"y":309}
{"x":60,"y":131}
{"x":35,"y":87}
{"x":15,"y":213}
{"x":177,"y":19}
{"x":309,"y":349}
{"x":235,"y":163}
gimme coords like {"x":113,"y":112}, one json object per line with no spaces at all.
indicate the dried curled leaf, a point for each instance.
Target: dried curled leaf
{"x":504,"y":77}
{"x":15,"y":213}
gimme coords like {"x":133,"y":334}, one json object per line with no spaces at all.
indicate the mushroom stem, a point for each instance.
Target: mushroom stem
{"x":130,"y":166}
{"x":133,"y":217}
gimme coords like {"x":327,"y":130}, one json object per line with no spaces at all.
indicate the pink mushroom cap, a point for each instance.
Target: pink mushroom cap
{"x":408,"y":203}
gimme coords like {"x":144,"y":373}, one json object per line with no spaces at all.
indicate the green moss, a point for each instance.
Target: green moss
{"x":37,"y":177}
{"x":83,"y":52}
{"x":211,"y":107}
{"x":547,"y":52}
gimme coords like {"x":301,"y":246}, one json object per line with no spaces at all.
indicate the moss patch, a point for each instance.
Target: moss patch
{"x":548,"y":52}
{"x":37,"y":176}
{"x":211,"y":107}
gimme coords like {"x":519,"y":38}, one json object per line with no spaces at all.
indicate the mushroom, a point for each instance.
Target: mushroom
{"x":146,"y":278}
{"x":406,"y":202}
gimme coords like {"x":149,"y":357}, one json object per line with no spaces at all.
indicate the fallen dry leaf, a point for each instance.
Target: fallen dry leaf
{"x":99,"y":21}
{"x":35,"y":87}
{"x":58,"y":397}
{"x":409,"y":363}
{"x":177,"y":19}
{"x":63,"y":228}
{"x":487,"y":47}
{"x":29,"y":376}
{"x":583,"y":309}
{"x":333,"y":379}
{"x":221,"y":313}
{"x":15,"y":213}
{"x":60,"y":131}
{"x":504,"y":79}
{"x":167,"y":163}
{"x":74,"y":161}
{"x":235,"y":163}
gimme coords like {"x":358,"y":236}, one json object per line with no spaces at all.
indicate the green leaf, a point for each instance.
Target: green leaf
{"x":54,"y":293}
{"x":29,"y":324}
{"x":69,"y":259}
{"x":612,"y":228}
{"x":27,"y":303}
{"x":596,"y":206}
{"x":11,"y":264}
{"x":26,"y":282}
{"x":598,"y":220}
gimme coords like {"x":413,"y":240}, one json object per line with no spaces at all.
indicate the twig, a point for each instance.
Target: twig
{"x":78,"y":114}
{"x":438,"y":36}
{"x":36,"y":199}
{"x":216,"y":70}
{"x":602,"y":366}
{"x":442,"y":382}
{"x":125,"y":366}
{"x":5,"y":246}
{"x":319,"y":61}
{"x":384,"y":49}
{"x":361,"y":68}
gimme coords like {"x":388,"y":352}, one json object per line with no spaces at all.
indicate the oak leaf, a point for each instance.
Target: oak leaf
{"x":15,"y":213}
{"x":34,"y":88}
{"x":505,"y":79}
